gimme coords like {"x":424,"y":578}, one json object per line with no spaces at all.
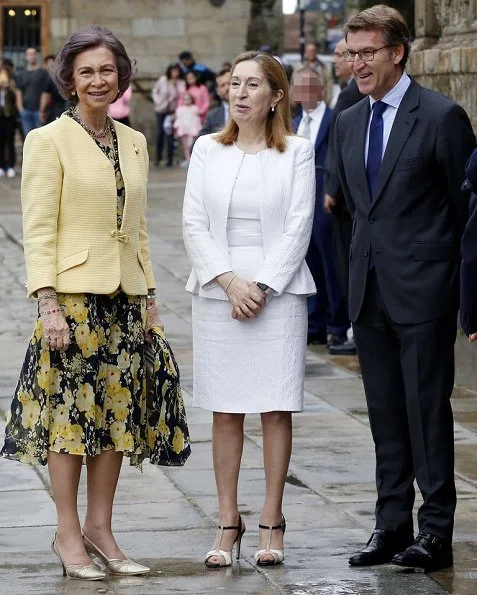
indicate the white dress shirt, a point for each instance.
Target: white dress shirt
{"x":393,"y":99}
{"x":316,"y":116}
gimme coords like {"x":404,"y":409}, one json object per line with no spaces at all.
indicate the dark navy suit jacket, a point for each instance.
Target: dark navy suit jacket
{"x":321,"y":148}
{"x":413,"y":223}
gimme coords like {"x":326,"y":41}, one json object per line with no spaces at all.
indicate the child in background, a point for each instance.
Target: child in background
{"x":8,"y":116}
{"x":187,"y":125}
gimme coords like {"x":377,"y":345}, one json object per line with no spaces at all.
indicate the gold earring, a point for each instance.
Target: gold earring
{"x":73,"y":93}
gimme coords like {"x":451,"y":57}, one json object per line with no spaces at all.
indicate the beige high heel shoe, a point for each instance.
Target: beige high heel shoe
{"x":227,"y":556}
{"x":116,"y":566}
{"x":277,"y":555}
{"x":89,"y":572}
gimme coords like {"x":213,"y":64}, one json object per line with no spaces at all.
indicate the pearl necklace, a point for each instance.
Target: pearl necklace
{"x":95,"y":135}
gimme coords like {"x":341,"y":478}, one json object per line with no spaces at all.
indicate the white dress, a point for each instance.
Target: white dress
{"x":256,"y":365}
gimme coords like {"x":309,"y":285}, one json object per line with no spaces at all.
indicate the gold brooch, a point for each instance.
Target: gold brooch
{"x":136,"y":150}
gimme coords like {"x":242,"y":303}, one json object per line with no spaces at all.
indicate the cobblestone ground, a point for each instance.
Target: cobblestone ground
{"x":166,"y":517}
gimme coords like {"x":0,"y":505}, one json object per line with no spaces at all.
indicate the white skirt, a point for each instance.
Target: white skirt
{"x":250,"y":366}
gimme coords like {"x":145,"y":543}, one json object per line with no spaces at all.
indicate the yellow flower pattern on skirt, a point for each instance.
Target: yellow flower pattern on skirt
{"x":94,"y":396}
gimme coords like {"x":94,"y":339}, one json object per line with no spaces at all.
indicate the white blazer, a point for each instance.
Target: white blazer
{"x":287,"y":201}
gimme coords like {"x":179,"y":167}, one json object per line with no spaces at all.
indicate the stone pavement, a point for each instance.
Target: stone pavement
{"x":166,"y":517}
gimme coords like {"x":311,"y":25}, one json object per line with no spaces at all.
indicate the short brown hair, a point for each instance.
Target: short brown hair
{"x":307,"y":70}
{"x":387,"y":20}
{"x":278,"y":124}
{"x":222,"y":72}
{"x":87,"y":38}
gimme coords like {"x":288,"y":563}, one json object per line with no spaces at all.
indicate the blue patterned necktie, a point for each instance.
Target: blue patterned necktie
{"x":375,"y":145}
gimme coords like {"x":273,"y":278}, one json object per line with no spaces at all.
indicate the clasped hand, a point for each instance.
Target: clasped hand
{"x":246,"y":298}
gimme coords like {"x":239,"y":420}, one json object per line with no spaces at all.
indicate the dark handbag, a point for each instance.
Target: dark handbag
{"x":168,"y":434}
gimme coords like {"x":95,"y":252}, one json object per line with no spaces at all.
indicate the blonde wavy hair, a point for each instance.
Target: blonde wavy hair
{"x":278,"y":125}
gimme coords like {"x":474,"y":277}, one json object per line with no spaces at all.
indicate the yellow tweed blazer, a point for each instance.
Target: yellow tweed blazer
{"x":69,"y":202}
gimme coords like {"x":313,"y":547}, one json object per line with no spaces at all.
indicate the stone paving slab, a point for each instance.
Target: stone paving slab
{"x":166,"y":517}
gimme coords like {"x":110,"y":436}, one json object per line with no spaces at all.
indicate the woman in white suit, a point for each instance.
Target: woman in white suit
{"x":248,"y":212}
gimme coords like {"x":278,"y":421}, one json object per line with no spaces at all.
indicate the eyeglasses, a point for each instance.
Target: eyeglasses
{"x":364,"y":55}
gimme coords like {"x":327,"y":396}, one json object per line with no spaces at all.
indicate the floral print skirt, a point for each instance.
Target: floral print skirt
{"x":93,"y":396}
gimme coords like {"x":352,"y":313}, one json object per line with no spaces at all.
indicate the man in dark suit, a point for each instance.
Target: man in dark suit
{"x":327,"y":318}
{"x":334,"y":201}
{"x":217,"y":116}
{"x":468,"y":280}
{"x":401,"y":153}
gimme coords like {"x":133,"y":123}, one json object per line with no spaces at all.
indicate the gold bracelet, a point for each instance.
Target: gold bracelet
{"x":228,"y":284}
{"x":47,"y":296}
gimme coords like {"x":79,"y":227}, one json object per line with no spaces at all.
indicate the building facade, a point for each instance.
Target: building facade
{"x":153,"y":31}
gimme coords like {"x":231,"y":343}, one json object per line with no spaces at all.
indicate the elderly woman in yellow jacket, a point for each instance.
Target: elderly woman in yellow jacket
{"x":88,"y":264}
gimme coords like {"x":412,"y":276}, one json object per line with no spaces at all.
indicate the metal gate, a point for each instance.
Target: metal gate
{"x":21,"y":29}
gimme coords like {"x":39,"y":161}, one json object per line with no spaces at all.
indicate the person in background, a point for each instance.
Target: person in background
{"x":327,"y":317}
{"x":121,"y":108}
{"x":248,"y":211}
{"x":218,"y":116}
{"x":8,"y":116}
{"x":81,"y":395}
{"x":202,"y":72}
{"x":312,"y":61}
{"x":187,"y":125}
{"x":334,"y":202}
{"x":52,"y":104}
{"x":30,"y":85}
{"x":8,"y":64}
{"x":199,"y":92}
{"x":468,"y":276}
{"x":165,"y":95}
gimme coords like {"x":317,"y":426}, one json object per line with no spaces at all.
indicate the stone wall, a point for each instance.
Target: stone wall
{"x":444,"y":58}
{"x":444,"y":54}
{"x":155,"y":32}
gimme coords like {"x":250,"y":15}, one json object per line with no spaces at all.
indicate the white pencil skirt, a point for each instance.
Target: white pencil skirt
{"x":250,"y":366}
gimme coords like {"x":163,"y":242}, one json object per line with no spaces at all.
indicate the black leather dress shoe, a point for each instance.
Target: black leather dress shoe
{"x":347,"y":347}
{"x":319,"y":339}
{"x":381,"y":548}
{"x":428,"y":552}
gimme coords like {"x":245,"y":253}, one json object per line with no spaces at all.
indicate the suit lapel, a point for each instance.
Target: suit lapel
{"x":323,"y":129}
{"x":400,"y":131}
{"x":357,"y":136}
{"x":295,"y":123}
{"x":129,"y":154}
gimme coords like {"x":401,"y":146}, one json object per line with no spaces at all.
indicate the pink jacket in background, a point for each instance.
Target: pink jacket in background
{"x":165,"y":95}
{"x":120,"y":109}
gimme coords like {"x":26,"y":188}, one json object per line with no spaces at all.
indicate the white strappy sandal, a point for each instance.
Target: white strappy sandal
{"x":277,"y":555}
{"x":226,"y":556}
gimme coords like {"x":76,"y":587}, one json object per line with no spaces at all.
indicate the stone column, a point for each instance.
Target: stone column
{"x":266,"y":25}
{"x":444,"y":58}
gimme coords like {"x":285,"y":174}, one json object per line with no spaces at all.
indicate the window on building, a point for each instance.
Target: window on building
{"x":22,"y":26}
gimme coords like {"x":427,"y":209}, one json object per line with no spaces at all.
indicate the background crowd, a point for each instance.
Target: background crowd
{"x":290,"y":237}
{"x":191,"y":100}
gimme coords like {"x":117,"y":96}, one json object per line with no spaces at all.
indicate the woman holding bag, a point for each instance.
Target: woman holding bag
{"x":82,"y":389}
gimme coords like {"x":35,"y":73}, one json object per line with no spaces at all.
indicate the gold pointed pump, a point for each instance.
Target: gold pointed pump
{"x":89,"y":572}
{"x":116,"y":566}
